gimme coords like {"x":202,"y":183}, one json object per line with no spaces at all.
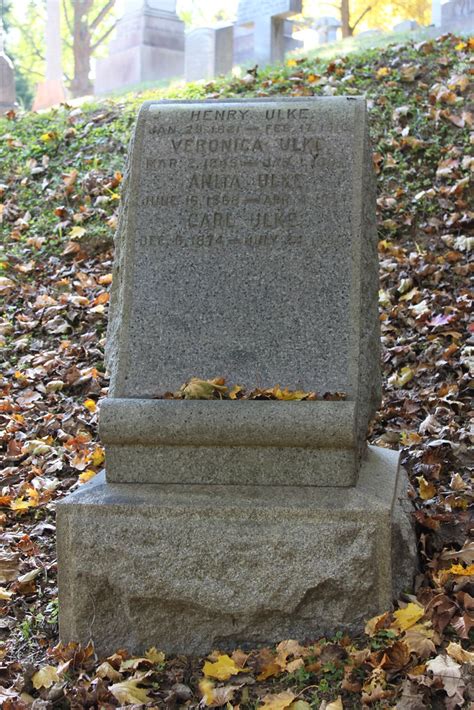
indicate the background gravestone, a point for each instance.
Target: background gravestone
{"x":327,"y":28}
{"x":458,"y":15}
{"x":264,"y":22}
{"x":209,"y":52}
{"x":51,"y":91}
{"x":246,"y":248}
{"x":7,"y":78}
{"x":149,"y":46}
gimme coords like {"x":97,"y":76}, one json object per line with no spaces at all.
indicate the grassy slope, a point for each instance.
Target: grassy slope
{"x":60,"y":182}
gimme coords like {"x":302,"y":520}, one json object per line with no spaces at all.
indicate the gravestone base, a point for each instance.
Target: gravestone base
{"x":190,"y":568}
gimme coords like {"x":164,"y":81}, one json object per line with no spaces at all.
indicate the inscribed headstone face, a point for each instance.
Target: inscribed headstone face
{"x":255,"y":210}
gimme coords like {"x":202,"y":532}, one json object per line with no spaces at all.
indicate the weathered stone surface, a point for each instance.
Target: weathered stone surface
{"x":458,"y":15}
{"x":225,"y":442}
{"x":7,"y":78}
{"x":149,"y":46}
{"x":249,"y":253}
{"x":7,"y":84}
{"x":269,"y":39}
{"x":192,"y":568}
{"x":258,"y":265}
{"x":208,"y":52}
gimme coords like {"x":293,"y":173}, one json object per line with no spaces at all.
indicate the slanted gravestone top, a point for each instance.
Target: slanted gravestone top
{"x":268,"y":19}
{"x":141,"y":5}
{"x":249,"y":10}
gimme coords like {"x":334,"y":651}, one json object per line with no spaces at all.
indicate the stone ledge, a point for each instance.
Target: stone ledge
{"x":189,"y":568}
{"x":230,"y":443}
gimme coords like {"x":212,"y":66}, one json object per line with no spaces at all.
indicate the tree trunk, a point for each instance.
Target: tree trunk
{"x":81,"y":85}
{"x":346,"y":28}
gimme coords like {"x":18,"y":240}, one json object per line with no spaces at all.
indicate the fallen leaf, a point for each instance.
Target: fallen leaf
{"x":278,"y":701}
{"x":128,"y":692}
{"x":407,"y":616}
{"x":459,"y":654}
{"x":45,"y":677}
{"x":215,"y":697}
{"x":222,"y":669}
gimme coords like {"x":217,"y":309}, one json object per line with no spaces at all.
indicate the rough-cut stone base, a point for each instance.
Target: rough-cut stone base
{"x":191,"y":568}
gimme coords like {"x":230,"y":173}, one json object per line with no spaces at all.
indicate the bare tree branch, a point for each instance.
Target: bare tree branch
{"x":105,"y":10}
{"x":367,"y":9}
{"x":104,"y":36}
{"x":68,"y":21}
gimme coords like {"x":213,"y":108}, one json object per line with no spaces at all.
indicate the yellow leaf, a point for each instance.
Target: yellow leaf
{"x":456,"y":651}
{"x":291,"y":63}
{"x":287,"y":395}
{"x":408,"y":616}
{"x":77,"y":232}
{"x":5,"y":594}
{"x":462,"y":571}
{"x":427,"y":490}
{"x":155,"y":656}
{"x":401,"y":379}
{"x":222,"y":669}
{"x":300,"y":705}
{"x":383,"y":71}
{"x":201,"y":389}
{"x":460,"y":46}
{"x":90,"y":405}
{"x":20,"y":504}
{"x":215,"y":697}
{"x":127,"y":692}
{"x":45,"y":677}
{"x":98,"y":456}
{"x":87,"y":475}
{"x":278,"y":701}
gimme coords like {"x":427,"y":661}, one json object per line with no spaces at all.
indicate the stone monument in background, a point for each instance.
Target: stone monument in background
{"x":262,"y":32}
{"x":247,"y":249}
{"x":327,"y":28}
{"x":51,"y":91}
{"x":458,"y":16}
{"x":209,"y":52}
{"x":7,"y":78}
{"x":149,"y":46}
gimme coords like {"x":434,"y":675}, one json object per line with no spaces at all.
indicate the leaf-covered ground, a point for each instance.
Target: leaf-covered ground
{"x":60,"y":181}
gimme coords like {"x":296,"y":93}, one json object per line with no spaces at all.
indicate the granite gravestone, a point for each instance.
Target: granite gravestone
{"x":246,"y":249}
{"x":149,"y":46}
{"x":50,"y":92}
{"x":458,"y":15}
{"x":264,"y":23}
{"x":208,"y":52}
{"x":7,"y":78}
{"x":327,"y":28}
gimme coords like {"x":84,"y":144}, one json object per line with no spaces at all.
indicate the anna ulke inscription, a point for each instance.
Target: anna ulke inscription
{"x":235,"y":176}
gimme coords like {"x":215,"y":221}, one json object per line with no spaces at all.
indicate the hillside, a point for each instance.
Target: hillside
{"x":60,"y":179}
